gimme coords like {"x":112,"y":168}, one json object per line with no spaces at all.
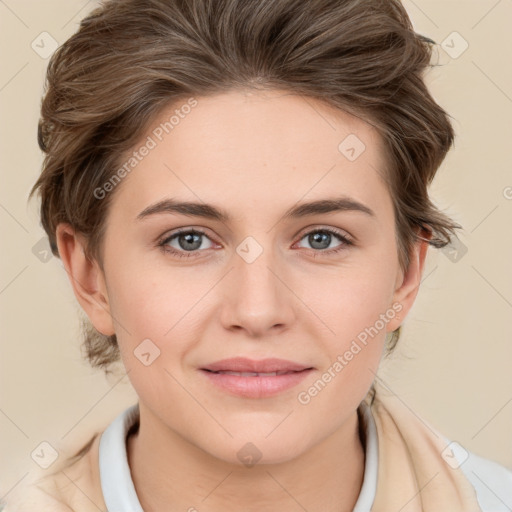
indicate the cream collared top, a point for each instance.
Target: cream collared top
{"x":101,"y":479}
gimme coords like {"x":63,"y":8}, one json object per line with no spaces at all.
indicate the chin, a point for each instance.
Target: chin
{"x":256,"y":451}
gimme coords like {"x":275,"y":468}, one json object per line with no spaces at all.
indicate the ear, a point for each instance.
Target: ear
{"x":408,"y":282}
{"x":86,"y":278}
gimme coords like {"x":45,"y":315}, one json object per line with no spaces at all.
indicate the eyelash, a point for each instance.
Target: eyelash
{"x":346,"y":242}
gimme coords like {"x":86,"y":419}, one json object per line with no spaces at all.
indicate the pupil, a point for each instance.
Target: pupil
{"x":318,"y":238}
{"x":189,"y":239}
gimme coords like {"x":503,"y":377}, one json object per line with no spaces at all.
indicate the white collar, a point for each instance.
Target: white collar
{"x":369,"y":488}
{"x":116,"y":480}
{"x":117,"y":485}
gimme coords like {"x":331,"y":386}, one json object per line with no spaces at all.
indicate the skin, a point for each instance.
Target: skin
{"x":255,"y":155}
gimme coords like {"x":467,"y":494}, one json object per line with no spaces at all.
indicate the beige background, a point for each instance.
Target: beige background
{"x":453,"y":364}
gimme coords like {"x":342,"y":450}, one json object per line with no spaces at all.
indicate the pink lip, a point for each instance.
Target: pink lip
{"x":243,"y":364}
{"x":260,"y":386}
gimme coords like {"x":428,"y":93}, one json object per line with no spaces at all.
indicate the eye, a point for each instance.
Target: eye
{"x":320,"y":240}
{"x":186,"y":243}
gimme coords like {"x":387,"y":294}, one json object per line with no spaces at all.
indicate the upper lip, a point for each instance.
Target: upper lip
{"x":243,"y":364}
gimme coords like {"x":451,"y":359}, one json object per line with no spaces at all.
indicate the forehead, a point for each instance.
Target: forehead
{"x":269,"y":125}
{"x":248,"y":146}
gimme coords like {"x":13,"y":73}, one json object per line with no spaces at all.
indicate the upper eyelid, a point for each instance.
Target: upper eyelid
{"x":301,"y":234}
{"x":180,"y":231}
{"x":336,"y":231}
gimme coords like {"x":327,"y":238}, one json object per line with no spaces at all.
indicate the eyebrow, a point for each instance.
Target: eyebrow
{"x":209,"y":211}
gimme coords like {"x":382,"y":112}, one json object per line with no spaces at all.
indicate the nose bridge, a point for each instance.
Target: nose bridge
{"x":257,"y":299}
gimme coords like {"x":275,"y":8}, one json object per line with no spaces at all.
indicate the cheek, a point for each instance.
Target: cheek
{"x":134,"y":290}
{"x":355,"y":312}
{"x":355,"y":308}
{"x":349,"y":300}
{"x":156,"y":303}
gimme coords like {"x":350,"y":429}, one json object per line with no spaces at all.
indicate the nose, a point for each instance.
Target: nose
{"x":257,"y":297}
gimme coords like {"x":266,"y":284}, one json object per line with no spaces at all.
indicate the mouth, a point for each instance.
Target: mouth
{"x":254,"y":374}
{"x":255,"y":379}
{"x":244,"y":365}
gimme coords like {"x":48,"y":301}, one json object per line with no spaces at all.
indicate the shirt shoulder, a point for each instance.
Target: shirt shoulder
{"x":32,"y":497}
{"x":492,"y":481}
{"x":72,"y":487}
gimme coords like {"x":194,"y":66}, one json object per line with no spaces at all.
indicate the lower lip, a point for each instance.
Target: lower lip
{"x":256,"y":387}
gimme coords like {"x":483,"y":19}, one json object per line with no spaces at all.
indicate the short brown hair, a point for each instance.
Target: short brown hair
{"x":131,"y":58}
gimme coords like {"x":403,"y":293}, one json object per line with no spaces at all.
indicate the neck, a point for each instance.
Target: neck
{"x":171,"y":474}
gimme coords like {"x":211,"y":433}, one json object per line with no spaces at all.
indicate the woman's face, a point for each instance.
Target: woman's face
{"x":260,"y":282}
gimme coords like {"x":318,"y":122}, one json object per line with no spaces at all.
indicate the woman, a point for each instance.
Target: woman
{"x":238,"y":193}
